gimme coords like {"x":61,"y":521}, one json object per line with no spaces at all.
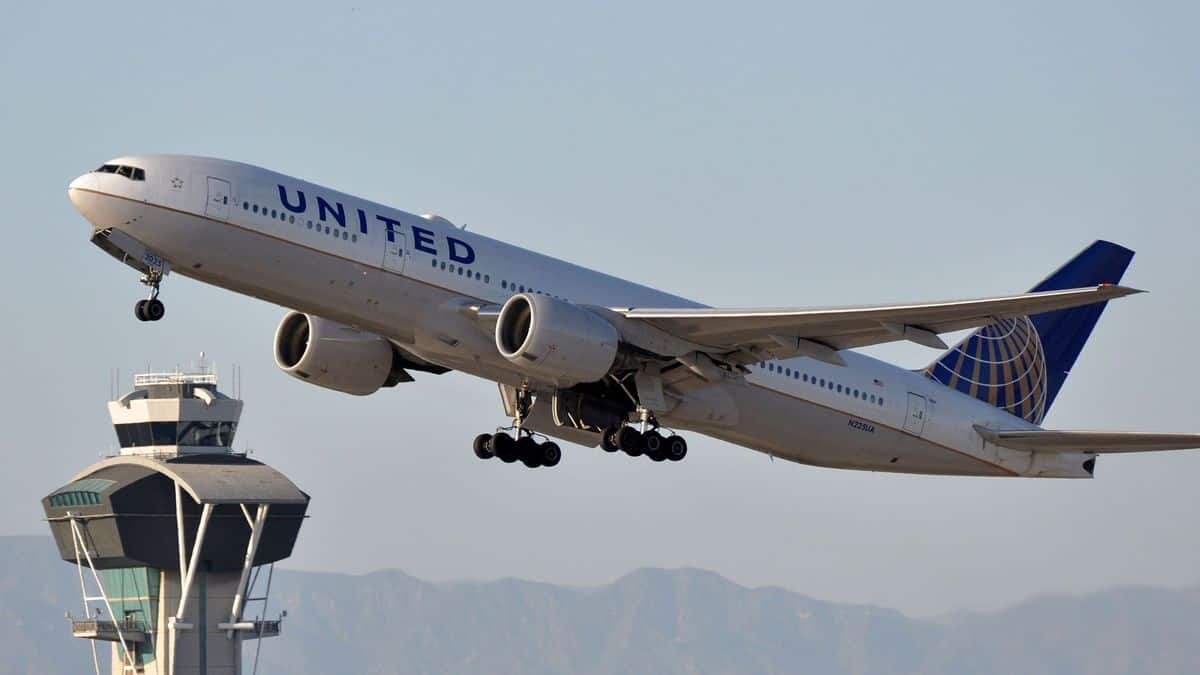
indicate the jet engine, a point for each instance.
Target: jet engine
{"x":335,"y":356}
{"x":555,"y":341}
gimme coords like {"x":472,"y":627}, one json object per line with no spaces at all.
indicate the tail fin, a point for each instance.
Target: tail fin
{"x":1020,"y":364}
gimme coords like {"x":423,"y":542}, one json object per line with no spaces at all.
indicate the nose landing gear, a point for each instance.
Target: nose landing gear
{"x":150,"y":309}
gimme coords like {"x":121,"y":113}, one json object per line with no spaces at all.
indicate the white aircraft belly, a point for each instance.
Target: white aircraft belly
{"x":802,"y":431}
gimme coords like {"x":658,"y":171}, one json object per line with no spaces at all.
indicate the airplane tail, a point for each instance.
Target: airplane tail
{"x":1020,"y":364}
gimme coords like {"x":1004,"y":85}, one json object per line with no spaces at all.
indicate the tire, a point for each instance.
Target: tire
{"x":630,"y":441}
{"x":483,"y":446}
{"x":529,"y":452}
{"x":551,"y":454}
{"x":676,"y":448}
{"x":504,"y":447}
{"x":653,"y":442}
{"x":154,"y":310}
{"x":139,"y":310}
{"x":608,"y":439}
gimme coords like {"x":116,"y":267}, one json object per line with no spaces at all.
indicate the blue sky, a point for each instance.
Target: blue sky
{"x":765,"y":154}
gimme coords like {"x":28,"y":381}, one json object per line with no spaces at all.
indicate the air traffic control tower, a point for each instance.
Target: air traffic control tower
{"x":175,"y":538}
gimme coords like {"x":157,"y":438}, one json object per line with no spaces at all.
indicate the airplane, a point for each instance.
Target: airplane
{"x":374,"y":294}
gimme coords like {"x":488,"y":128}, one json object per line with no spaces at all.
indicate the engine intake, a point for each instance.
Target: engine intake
{"x":555,"y":341}
{"x":335,"y":356}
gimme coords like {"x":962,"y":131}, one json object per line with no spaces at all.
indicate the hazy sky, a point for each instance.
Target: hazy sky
{"x":766,"y":154}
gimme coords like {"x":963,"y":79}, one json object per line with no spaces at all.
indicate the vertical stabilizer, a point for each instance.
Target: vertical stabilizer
{"x":1021,"y":364}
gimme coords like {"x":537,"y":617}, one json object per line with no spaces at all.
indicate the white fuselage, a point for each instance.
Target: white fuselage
{"x":393,"y":273}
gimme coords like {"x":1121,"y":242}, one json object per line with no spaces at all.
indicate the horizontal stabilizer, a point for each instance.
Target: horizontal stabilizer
{"x":1098,"y":442}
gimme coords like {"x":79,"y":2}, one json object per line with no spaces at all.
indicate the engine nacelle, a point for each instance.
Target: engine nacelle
{"x":555,"y":341}
{"x":333,"y":355}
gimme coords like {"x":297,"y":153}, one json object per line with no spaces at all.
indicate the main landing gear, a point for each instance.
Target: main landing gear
{"x":650,"y":443}
{"x":524,"y":447}
{"x":150,"y":309}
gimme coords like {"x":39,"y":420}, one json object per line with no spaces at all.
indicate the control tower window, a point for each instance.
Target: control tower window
{"x":162,"y":433}
{"x":206,"y":434}
{"x":210,"y":434}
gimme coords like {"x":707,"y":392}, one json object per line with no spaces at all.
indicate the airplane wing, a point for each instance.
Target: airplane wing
{"x":750,"y":335}
{"x":1099,"y":442}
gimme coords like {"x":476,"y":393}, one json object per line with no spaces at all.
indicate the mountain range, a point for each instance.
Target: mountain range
{"x":650,"y":621}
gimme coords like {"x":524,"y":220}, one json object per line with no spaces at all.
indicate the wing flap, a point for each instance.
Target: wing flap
{"x":1097,"y":442}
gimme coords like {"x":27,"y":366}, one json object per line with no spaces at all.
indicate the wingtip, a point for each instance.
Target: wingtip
{"x":1119,"y":291}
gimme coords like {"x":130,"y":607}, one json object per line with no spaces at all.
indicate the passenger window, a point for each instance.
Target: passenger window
{"x":272,"y":213}
{"x":256,"y":208}
{"x":487,"y":279}
{"x":245,"y":206}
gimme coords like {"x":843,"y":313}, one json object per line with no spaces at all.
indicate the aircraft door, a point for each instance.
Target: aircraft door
{"x":393,"y":252}
{"x":217,"y":205}
{"x":917,"y":408}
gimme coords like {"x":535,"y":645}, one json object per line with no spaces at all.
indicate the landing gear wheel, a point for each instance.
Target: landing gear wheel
{"x":154,"y":309}
{"x":655,"y":446}
{"x":653,"y":442}
{"x":529,"y":452}
{"x":551,"y":454}
{"x":483,"y":446}
{"x":676,"y":448}
{"x":139,"y":310}
{"x":630,"y":441}
{"x":608,"y":439}
{"x":504,"y":447}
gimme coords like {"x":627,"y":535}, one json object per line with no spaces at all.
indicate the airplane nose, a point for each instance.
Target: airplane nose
{"x":81,"y":192}
{"x":104,"y":205}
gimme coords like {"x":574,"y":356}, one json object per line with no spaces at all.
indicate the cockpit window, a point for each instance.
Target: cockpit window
{"x":130,"y":172}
